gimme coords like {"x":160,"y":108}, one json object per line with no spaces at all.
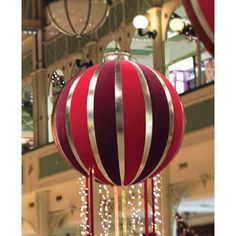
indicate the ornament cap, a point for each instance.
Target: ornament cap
{"x":116,"y":56}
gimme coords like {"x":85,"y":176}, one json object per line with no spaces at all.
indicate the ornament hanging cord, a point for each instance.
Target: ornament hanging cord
{"x":117,"y":29}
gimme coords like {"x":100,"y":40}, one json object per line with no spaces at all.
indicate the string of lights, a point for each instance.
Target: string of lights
{"x":132,"y":210}
{"x":135,"y":197}
{"x":83,"y":192}
{"x":138,"y":211}
{"x":105,"y":216}
{"x":156,"y":194}
{"x":57,"y":81}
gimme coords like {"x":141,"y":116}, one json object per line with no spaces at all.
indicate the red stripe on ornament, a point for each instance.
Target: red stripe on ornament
{"x":134,"y":119}
{"x":160,"y":131}
{"x":59,"y":127}
{"x":179,"y":126}
{"x":207,"y":8}
{"x":78,"y":123}
{"x":105,"y":121}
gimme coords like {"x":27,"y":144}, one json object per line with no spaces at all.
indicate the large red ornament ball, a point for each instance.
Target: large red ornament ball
{"x":124,"y":120}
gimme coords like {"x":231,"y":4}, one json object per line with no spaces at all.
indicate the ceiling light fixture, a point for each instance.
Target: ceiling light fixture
{"x":140,"y":22}
{"x":181,"y":26}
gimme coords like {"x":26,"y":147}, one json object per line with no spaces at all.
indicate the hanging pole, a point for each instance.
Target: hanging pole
{"x":87,"y":201}
{"x":90,"y":202}
{"x":124,"y":212}
{"x":146,"y":207}
{"x":153,"y":208}
{"x":116,"y":209}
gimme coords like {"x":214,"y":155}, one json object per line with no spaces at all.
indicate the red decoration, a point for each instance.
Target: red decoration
{"x":201,"y":15}
{"x":124,"y":120}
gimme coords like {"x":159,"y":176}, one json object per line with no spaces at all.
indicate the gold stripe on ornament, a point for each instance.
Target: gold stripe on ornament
{"x":67,"y":120}
{"x":119,"y":121}
{"x":91,"y":127}
{"x":171,"y":119}
{"x":199,"y":14}
{"x":148,"y":120}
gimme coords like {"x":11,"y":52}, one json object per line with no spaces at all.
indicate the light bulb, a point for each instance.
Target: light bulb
{"x":176,"y":24}
{"x":140,"y":22}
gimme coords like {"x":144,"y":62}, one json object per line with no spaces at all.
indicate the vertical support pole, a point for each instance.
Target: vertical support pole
{"x":159,"y":64}
{"x":199,"y":72}
{"x":153,"y":209}
{"x":158,"y":45}
{"x":124,"y":212}
{"x":42,"y":205}
{"x":87,"y":200}
{"x":116,"y":209}
{"x":42,"y":116}
{"x":165,"y":203}
{"x":91,"y":219}
{"x":146,"y":207}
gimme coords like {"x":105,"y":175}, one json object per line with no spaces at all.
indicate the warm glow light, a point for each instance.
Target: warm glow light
{"x":140,"y":22}
{"x":156,"y":191}
{"x":83,"y":192}
{"x":105,"y":216}
{"x":176,"y":24}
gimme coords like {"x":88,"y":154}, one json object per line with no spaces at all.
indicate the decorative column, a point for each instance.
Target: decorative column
{"x":42,"y":116}
{"x":165,"y":203}
{"x":159,"y":64}
{"x":42,"y":214}
{"x":199,"y":72}
{"x":158,"y":43}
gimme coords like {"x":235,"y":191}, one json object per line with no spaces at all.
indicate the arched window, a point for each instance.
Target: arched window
{"x":111,"y":46}
{"x":141,"y":49}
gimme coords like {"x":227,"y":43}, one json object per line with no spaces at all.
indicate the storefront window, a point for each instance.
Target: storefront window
{"x":27,"y":119}
{"x":207,"y":66}
{"x":182,"y":74}
{"x":141,"y":50}
{"x":184,"y":58}
{"x":180,"y":59}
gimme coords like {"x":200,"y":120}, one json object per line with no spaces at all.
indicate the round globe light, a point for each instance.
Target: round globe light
{"x":140,"y":22}
{"x":176,"y":24}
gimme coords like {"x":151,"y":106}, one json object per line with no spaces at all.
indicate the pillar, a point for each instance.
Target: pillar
{"x":42,"y":216}
{"x":42,"y":115}
{"x":159,"y":64}
{"x":158,"y":44}
{"x":165,"y":204}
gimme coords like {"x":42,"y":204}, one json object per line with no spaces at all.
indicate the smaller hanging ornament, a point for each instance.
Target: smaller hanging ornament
{"x":123,"y":119}
{"x":78,"y":17}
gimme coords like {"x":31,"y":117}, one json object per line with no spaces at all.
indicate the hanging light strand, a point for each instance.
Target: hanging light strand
{"x":105,"y":216}
{"x":135,"y":203}
{"x":83,"y":192}
{"x":132,"y":210}
{"x":138,"y":210}
{"x":156,"y":194}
